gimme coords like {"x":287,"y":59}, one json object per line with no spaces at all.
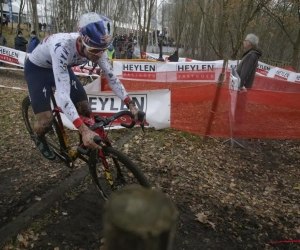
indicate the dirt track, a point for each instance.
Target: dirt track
{"x":227,"y":199}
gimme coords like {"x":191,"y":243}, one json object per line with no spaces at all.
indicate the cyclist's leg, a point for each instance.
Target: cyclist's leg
{"x":44,"y":123}
{"x":79,"y":96}
{"x":40,"y":81}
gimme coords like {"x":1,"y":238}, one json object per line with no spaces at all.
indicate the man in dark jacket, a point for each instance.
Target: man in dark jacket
{"x":34,"y":41}
{"x":246,"y":70}
{"x":247,"y":66}
{"x":20,"y":42}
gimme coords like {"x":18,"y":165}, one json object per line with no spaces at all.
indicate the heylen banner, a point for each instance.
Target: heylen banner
{"x":12,"y":56}
{"x":155,"y":103}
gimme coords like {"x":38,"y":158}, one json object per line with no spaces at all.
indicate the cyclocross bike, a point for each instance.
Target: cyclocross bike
{"x":109,"y":168}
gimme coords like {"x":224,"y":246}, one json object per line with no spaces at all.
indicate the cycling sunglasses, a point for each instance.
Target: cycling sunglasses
{"x":95,"y":51}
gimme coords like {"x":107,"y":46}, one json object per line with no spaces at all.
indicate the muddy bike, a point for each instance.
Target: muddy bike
{"x":109,"y":168}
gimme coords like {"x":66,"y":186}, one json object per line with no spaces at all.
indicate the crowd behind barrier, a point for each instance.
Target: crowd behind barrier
{"x":273,"y":106}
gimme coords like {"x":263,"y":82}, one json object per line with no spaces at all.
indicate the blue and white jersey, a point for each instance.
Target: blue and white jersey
{"x":59,"y":51}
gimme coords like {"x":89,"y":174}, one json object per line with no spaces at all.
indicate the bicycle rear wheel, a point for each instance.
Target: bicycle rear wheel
{"x":111,"y":170}
{"x":54,"y":136}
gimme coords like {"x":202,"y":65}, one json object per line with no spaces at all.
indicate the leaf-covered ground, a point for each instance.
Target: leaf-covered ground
{"x":227,"y":198}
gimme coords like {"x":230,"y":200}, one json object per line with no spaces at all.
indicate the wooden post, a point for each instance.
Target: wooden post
{"x":215,"y":102}
{"x":137,"y":218}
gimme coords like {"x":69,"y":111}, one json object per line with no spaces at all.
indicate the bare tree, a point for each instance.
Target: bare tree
{"x":62,"y":17}
{"x":179,"y":18}
{"x":34,"y":16}
{"x":226,"y":22}
{"x":20,"y":14}
{"x":287,"y":16}
{"x":144,"y":10}
{"x":1,"y":15}
{"x":211,"y":29}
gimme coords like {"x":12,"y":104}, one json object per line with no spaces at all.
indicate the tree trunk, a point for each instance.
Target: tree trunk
{"x":1,"y":13}
{"x":62,"y":23}
{"x":20,"y":15}
{"x":296,"y":50}
{"x":34,"y":17}
{"x":140,"y":219}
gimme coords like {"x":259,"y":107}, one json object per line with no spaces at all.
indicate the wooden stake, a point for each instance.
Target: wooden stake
{"x":139,"y":219}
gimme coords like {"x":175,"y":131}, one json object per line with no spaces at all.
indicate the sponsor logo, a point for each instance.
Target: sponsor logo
{"x":139,"y":71}
{"x":195,"y":71}
{"x":297,"y":78}
{"x":57,"y":46}
{"x":263,"y":69}
{"x":281,"y":75}
{"x":74,"y":84}
{"x":8,"y":55}
{"x":114,"y":104}
{"x":45,"y":91}
{"x":64,"y":67}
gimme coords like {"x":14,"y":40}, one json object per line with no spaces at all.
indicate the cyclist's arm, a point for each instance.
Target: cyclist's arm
{"x":62,"y":82}
{"x":113,"y":81}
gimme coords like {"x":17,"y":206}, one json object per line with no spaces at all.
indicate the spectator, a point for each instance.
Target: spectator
{"x":115,"y":41}
{"x":118,"y":52}
{"x":2,"y":40}
{"x":34,"y":41}
{"x":20,"y":42}
{"x":247,"y":66}
{"x":246,"y":70}
{"x":2,"y":43}
{"x":6,"y":20}
{"x":129,"y":51}
{"x":111,"y":52}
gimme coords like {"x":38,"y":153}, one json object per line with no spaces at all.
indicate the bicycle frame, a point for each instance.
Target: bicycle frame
{"x":56,"y":113}
{"x":75,"y":153}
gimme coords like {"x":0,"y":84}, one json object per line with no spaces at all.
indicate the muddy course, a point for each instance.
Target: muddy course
{"x":227,"y":198}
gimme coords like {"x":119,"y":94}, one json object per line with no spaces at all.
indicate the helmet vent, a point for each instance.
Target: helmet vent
{"x":108,"y":28}
{"x":89,"y":33}
{"x":98,"y":27}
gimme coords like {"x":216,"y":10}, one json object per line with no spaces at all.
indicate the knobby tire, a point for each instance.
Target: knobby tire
{"x":96,"y":167}
{"x":55,"y":130}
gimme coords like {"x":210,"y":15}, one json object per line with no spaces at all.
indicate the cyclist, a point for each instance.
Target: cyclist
{"x":49,"y":65}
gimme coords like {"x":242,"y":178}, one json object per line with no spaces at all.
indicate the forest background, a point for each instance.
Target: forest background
{"x":206,"y":29}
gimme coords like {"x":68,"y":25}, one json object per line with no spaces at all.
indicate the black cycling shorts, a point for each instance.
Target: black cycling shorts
{"x":40,"y":80}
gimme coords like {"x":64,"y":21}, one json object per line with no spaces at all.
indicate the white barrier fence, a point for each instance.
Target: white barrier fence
{"x":186,"y":68}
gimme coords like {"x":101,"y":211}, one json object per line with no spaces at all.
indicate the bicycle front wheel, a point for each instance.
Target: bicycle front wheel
{"x":111,"y":170}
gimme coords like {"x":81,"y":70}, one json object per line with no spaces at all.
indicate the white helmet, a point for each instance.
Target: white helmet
{"x":96,"y":30}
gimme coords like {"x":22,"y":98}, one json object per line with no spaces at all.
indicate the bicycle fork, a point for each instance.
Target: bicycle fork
{"x":106,"y":169}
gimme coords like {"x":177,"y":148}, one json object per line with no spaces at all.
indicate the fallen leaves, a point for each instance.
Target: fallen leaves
{"x":250,"y":195}
{"x":203,"y":218}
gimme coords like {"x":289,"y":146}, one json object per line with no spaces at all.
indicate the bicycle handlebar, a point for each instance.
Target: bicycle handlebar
{"x":101,"y":122}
